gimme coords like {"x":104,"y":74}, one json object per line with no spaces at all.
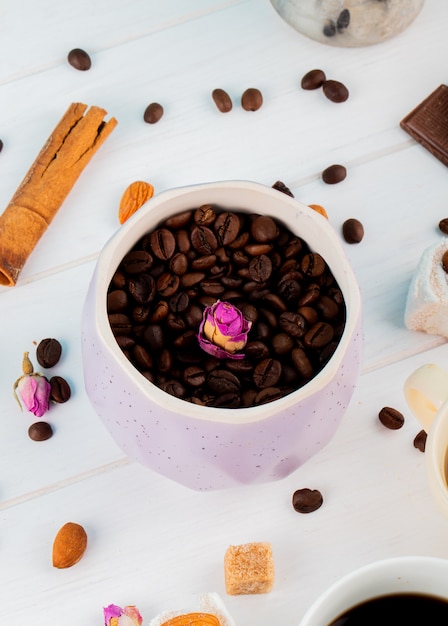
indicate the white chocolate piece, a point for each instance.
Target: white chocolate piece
{"x":207,"y":603}
{"x":427,"y":301}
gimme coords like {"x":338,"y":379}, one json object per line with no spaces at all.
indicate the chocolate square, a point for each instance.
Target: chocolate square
{"x":428,"y":123}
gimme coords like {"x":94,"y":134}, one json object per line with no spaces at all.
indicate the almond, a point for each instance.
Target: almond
{"x":134,"y":196}
{"x":69,"y":545}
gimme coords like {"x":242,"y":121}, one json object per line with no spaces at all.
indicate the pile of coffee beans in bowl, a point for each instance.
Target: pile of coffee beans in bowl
{"x":224,"y":308}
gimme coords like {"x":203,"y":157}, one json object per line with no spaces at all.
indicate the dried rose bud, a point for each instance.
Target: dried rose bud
{"x":223,"y":331}
{"x":117,"y":616}
{"x":32,"y":390}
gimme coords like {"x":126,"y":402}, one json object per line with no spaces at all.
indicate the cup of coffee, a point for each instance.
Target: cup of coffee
{"x":221,"y":334}
{"x":401,"y":590}
{"x":426,"y":392}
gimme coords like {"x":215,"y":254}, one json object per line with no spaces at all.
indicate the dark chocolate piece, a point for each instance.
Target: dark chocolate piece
{"x":428,"y":123}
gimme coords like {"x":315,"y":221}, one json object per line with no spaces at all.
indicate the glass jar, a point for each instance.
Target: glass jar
{"x":348,"y":23}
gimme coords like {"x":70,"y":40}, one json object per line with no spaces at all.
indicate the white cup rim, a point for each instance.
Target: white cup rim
{"x":393,"y":571}
{"x":125,"y":237}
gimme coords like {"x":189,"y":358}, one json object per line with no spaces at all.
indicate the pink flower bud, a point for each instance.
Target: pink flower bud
{"x":223,"y":331}
{"x":117,"y":616}
{"x":34,"y":393}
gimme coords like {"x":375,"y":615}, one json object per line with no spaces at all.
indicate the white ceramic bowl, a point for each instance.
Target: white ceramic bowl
{"x":407,"y":574}
{"x":209,"y":448}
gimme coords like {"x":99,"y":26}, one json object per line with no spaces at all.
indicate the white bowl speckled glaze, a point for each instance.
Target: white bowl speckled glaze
{"x":211,"y":448}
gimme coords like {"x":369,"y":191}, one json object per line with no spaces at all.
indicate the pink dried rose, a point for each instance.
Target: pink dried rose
{"x":32,"y":390}
{"x":223,"y":331}
{"x":117,"y":616}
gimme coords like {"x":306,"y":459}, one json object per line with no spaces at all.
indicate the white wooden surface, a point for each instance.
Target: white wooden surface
{"x":154,"y":543}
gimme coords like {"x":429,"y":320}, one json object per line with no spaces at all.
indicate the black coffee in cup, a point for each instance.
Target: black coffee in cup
{"x":409,"y":609}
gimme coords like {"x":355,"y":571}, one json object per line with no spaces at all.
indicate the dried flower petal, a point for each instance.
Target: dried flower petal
{"x":223,"y":331}
{"x":117,"y":616}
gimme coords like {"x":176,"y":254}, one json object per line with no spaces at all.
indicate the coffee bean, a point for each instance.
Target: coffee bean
{"x":329,"y":29}
{"x":420,"y":440}
{"x":307,"y":500}
{"x":267,"y":373}
{"x":204,"y":215}
{"x":352,"y":230}
{"x":153,"y":113}
{"x":293,"y":324}
{"x":282,"y":343}
{"x":302,"y":363}
{"x":222,"y":100}
{"x":142,"y":288}
{"x":312,"y":264}
{"x":260,"y":268}
{"x":313,"y":79}
{"x":252,"y":99}
{"x":120,"y":323}
{"x":391,"y":418}
{"x":444,"y":261}
{"x":334,"y":174}
{"x":40,"y":431}
{"x":117,"y":300}
{"x":194,"y":376}
{"x":203,"y":240}
{"x":48,"y":352}
{"x":142,"y":357}
{"x":179,"y":220}
{"x":226,"y":227}
{"x":443,"y":225}
{"x":79,"y":59}
{"x":163,"y":243}
{"x":343,"y":20}
{"x":137,"y":261}
{"x":221,"y":381}
{"x":280,"y":186}
{"x":319,"y":335}
{"x":335,"y":91}
{"x":60,"y":389}
{"x":167,"y":284}
{"x":264,"y":229}
{"x":1,"y":145}
{"x":268,"y":394}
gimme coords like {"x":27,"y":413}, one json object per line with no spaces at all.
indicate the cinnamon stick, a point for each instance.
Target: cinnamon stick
{"x":71,"y":145}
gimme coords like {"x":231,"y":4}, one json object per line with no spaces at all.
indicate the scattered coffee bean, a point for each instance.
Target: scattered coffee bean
{"x":283,"y":188}
{"x":222,"y":100}
{"x":48,"y":352}
{"x":252,"y":99}
{"x":335,"y":91}
{"x":444,"y":261}
{"x":1,"y":145}
{"x":352,"y":230}
{"x":79,"y":59}
{"x":153,"y":113}
{"x":329,"y":29}
{"x":40,"y":431}
{"x":391,"y":418}
{"x":343,"y":20}
{"x":334,"y":174}
{"x":307,"y":500}
{"x":60,"y":389}
{"x":420,"y":440}
{"x":443,"y":225}
{"x":313,"y":79}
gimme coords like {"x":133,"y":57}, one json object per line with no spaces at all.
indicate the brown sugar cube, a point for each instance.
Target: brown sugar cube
{"x":249,"y":568}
